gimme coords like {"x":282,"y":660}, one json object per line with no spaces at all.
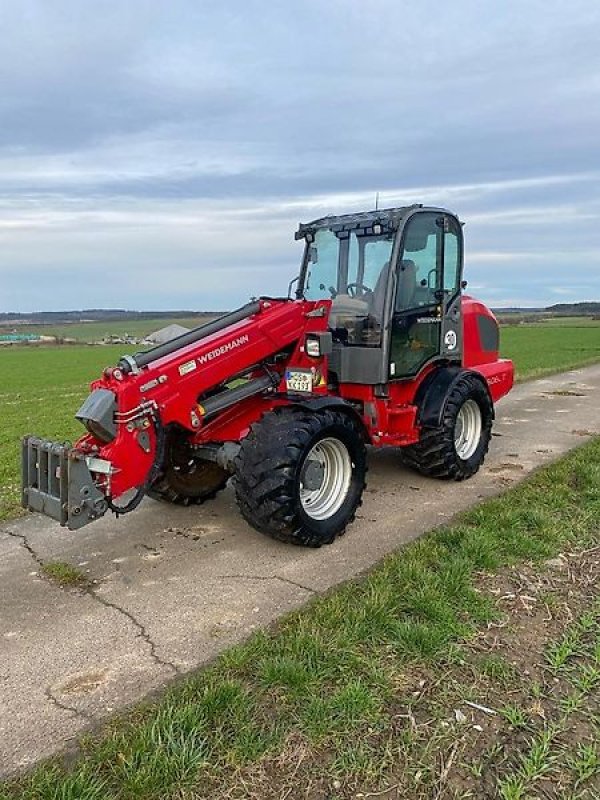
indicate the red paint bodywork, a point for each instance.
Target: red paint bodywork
{"x":176,"y":385}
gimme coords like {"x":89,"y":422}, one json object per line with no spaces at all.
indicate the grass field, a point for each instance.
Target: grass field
{"x":95,"y":331}
{"x":40,"y":391}
{"x":41,"y":388}
{"x":467,"y":665}
{"x":552,"y":346}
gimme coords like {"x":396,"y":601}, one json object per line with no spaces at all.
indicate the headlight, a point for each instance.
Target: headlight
{"x":318,"y":344}
{"x":313,"y":347}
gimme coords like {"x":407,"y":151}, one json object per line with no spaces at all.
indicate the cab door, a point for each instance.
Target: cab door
{"x":426,"y":320}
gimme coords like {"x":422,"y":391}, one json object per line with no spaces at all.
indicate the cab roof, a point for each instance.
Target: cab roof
{"x":388,"y":218}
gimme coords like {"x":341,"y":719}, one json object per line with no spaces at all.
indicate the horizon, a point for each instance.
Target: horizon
{"x":187,"y":311}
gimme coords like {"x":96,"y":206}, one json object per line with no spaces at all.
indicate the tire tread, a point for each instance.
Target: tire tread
{"x":265,"y":472}
{"x":434,"y":454}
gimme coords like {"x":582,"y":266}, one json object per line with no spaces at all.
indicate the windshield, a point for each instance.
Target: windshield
{"x":352,"y":271}
{"x":351,"y":265}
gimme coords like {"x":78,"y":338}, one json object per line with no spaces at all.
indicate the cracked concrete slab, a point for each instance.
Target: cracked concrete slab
{"x":171,"y":587}
{"x":57,"y":639}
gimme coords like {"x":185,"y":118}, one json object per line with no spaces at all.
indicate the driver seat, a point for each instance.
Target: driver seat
{"x":377,"y":300}
{"x":405,"y":294}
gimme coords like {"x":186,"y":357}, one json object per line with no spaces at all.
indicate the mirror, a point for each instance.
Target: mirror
{"x":415,"y":240}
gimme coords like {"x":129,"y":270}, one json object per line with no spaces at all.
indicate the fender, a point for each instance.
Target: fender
{"x":432,"y":394}
{"x":320,"y":403}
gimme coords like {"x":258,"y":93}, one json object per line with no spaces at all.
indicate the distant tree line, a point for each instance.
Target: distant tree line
{"x":574,"y":309}
{"x":97,"y":315}
{"x":515,"y":316}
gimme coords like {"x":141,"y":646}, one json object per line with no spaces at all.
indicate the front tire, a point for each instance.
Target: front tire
{"x":456,"y":449}
{"x":186,"y":479}
{"x":300,"y":475}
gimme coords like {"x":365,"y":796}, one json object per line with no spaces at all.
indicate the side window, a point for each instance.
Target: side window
{"x":367,"y":257}
{"x":452,"y":257}
{"x":377,"y":257}
{"x":322,"y":270}
{"x":419,"y":272}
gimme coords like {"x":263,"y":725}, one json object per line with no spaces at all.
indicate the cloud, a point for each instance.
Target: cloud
{"x":149,"y":149}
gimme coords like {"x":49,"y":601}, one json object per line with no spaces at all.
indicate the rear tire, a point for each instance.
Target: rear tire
{"x":186,"y":479}
{"x":300,"y":475}
{"x":456,"y":449}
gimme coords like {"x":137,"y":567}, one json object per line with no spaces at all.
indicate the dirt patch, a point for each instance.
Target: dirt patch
{"x":506,"y":466}
{"x":83,"y":683}
{"x":540,"y":611}
{"x":565,"y":393}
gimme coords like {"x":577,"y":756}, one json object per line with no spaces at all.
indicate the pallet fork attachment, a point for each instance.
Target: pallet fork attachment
{"x":57,"y":482}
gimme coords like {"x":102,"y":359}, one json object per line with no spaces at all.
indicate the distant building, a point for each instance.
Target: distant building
{"x":19,"y":338}
{"x":166,"y":334}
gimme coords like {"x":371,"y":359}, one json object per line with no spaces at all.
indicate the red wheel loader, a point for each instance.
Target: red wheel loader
{"x":379,"y":346}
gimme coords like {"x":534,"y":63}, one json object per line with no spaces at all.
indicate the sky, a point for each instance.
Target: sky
{"x":159,"y":155}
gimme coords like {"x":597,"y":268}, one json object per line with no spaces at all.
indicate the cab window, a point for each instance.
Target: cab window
{"x":416,"y":326}
{"x":452,"y":257}
{"x":419,"y":270}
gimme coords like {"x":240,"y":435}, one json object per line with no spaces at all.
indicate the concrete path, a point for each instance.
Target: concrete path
{"x":174,"y":586}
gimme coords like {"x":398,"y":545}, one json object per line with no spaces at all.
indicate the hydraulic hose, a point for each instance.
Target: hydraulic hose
{"x":153,"y":473}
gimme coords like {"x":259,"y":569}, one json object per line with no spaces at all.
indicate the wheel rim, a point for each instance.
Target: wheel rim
{"x":467,"y":429}
{"x":325,"y":478}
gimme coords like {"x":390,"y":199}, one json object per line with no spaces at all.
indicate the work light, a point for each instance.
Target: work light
{"x":313,"y":346}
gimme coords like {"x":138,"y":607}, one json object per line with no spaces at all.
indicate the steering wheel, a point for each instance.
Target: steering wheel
{"x":355,"y":287}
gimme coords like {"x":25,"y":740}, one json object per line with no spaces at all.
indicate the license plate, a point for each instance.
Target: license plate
{"x":299,"y":380}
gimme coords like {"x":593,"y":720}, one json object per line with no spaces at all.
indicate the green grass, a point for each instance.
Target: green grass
{"x":554,"y":346}
{"x":335,"y":688}
{"x":63,"y":574}
{"x":585,"y":764}
{"x":40,"y":391}
{"x":95,"y":331}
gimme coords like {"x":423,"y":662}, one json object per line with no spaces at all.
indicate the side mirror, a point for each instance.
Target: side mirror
{"x":464,"y":284}
{"x":415,"y":241}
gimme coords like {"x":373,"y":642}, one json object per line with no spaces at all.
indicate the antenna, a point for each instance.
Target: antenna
{"x":377,"y":201}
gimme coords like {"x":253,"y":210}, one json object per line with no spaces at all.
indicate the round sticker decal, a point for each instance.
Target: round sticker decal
{"x":450,"y":340}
